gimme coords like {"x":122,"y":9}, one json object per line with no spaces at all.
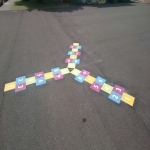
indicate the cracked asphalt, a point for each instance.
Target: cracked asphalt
{"x":64,"y":114}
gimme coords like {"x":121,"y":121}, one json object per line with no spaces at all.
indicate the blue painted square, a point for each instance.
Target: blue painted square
{"x":76,"y":61}
{"x":40,"y":81}
{"x":55,"y":70}
{"x":79,"y":47}
{"x":115,"y":97}
{"x":80,"y":78}
{"x":70,"y":53}
{"x":20,"y":80}
{"x":100,"y":80}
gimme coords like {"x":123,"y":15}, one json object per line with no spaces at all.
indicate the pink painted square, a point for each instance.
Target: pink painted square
{"x":85,"y":73}
{"x":20,"y":87}
{"x":68,"y":60}
{"x":39,"y":74}
{"x":96,"y":87}
{"x":118,"y":89}
{"x":58,"y":76}
{"x":77,"y":53}
{"x":71,"y":46}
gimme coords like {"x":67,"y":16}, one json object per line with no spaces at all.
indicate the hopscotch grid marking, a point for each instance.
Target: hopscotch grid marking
{"x":116,"y":92}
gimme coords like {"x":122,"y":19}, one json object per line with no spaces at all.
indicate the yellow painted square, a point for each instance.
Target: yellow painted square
{"x":90,"y":79}
{"x":73,"y":56}
{"x":128,"y":99}
{"x":75,"y":50}
{"x":107,"y":88}
{"x":9,"y":86}
{"x":70,"y":65}
{"x":48,"y":75}
{"x":65,"y":71}
{"x":75,"y":44}
{"x":75,"y":72}
{"x":30,"y":80}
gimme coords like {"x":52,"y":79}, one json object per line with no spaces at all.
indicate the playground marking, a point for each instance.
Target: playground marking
{"x":9,"y":86}
{"x":96,"y":87}
{"x":48,"y":75}
{"x":30,"y":80}
{"x":115,"y":97}
{"x":20,"y":87}
{"x":71,"y":65}
{"x":107,"y":88}
{"x":73,"y":56}
{"x":100,"y":80}
{"x":97,"y":84}
{"x":40,"y":81}
{"x":90,"y":79}
{"x":75,"y":44}
{"x":65,"y":71}
{"x":80,"y":78}
{"x":75,"y":72}
{"x":128,"y":99}
{"x":75,"y":50}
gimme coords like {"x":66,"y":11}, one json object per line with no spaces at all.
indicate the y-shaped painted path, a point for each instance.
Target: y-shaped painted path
{"x":117,"y":93}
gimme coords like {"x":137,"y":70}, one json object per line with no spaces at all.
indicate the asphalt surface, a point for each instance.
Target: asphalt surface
{"x":116,"y":46}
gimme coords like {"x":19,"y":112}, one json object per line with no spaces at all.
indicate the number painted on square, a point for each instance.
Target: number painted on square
{"x":39,"y":74}
{"x":115,"y":97}
{"x":96,"y":87}
{"x":118,"y":89}
{"x":55,"y":70}
{"x":20,"y":80}
{"x":100,"y":80}
{"x":80,"y":78}
{"x":40,"y":81}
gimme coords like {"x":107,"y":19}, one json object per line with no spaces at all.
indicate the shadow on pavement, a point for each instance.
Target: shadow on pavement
{"x":81,"y":7}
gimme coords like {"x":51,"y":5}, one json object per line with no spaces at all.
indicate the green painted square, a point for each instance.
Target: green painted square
{"x":75,"y":72}
{"x":107,"y":88}
{"x":65,"y":71}
{"x":30,"y":80}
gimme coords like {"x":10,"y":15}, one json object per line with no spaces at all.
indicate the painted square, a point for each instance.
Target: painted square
{"x":85,"y":73}
{"x":75,"y":44}
{"x":65,"y":71}
{"x":40,"y":81}
{"x":9,"y":86}
{"x":118,"y":89}
{"x":55,"y":70}
{"x":128,"y":99}
{"x":70,"y":53}
{"x":79,"y":47}
{"x":96,"y":87}
{"x":115,"y":97}
{"x":76,"y":61}
{"x":20,"y":87}
{"x":30,"y":80}
{"x":75,"y":72}
{"x":100,"y":80}
{"x":90,"y":79}
{"x":75,"y":50}
{"x":39,"y":74}
{"x":58,"y":76}
{"x":68,"y":60}
{"x":77,"y":53}
{"x":73,"y":56}
{"x":71,"y":65}
{"x":80,"y":78}
{"x":107,"y":88}
{"x":71,"y":46}
{"x":48,"y":75}
{"x":20,"y":80}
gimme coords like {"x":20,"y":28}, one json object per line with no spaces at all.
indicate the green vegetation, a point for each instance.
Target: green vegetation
{"x":32,"y":4}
